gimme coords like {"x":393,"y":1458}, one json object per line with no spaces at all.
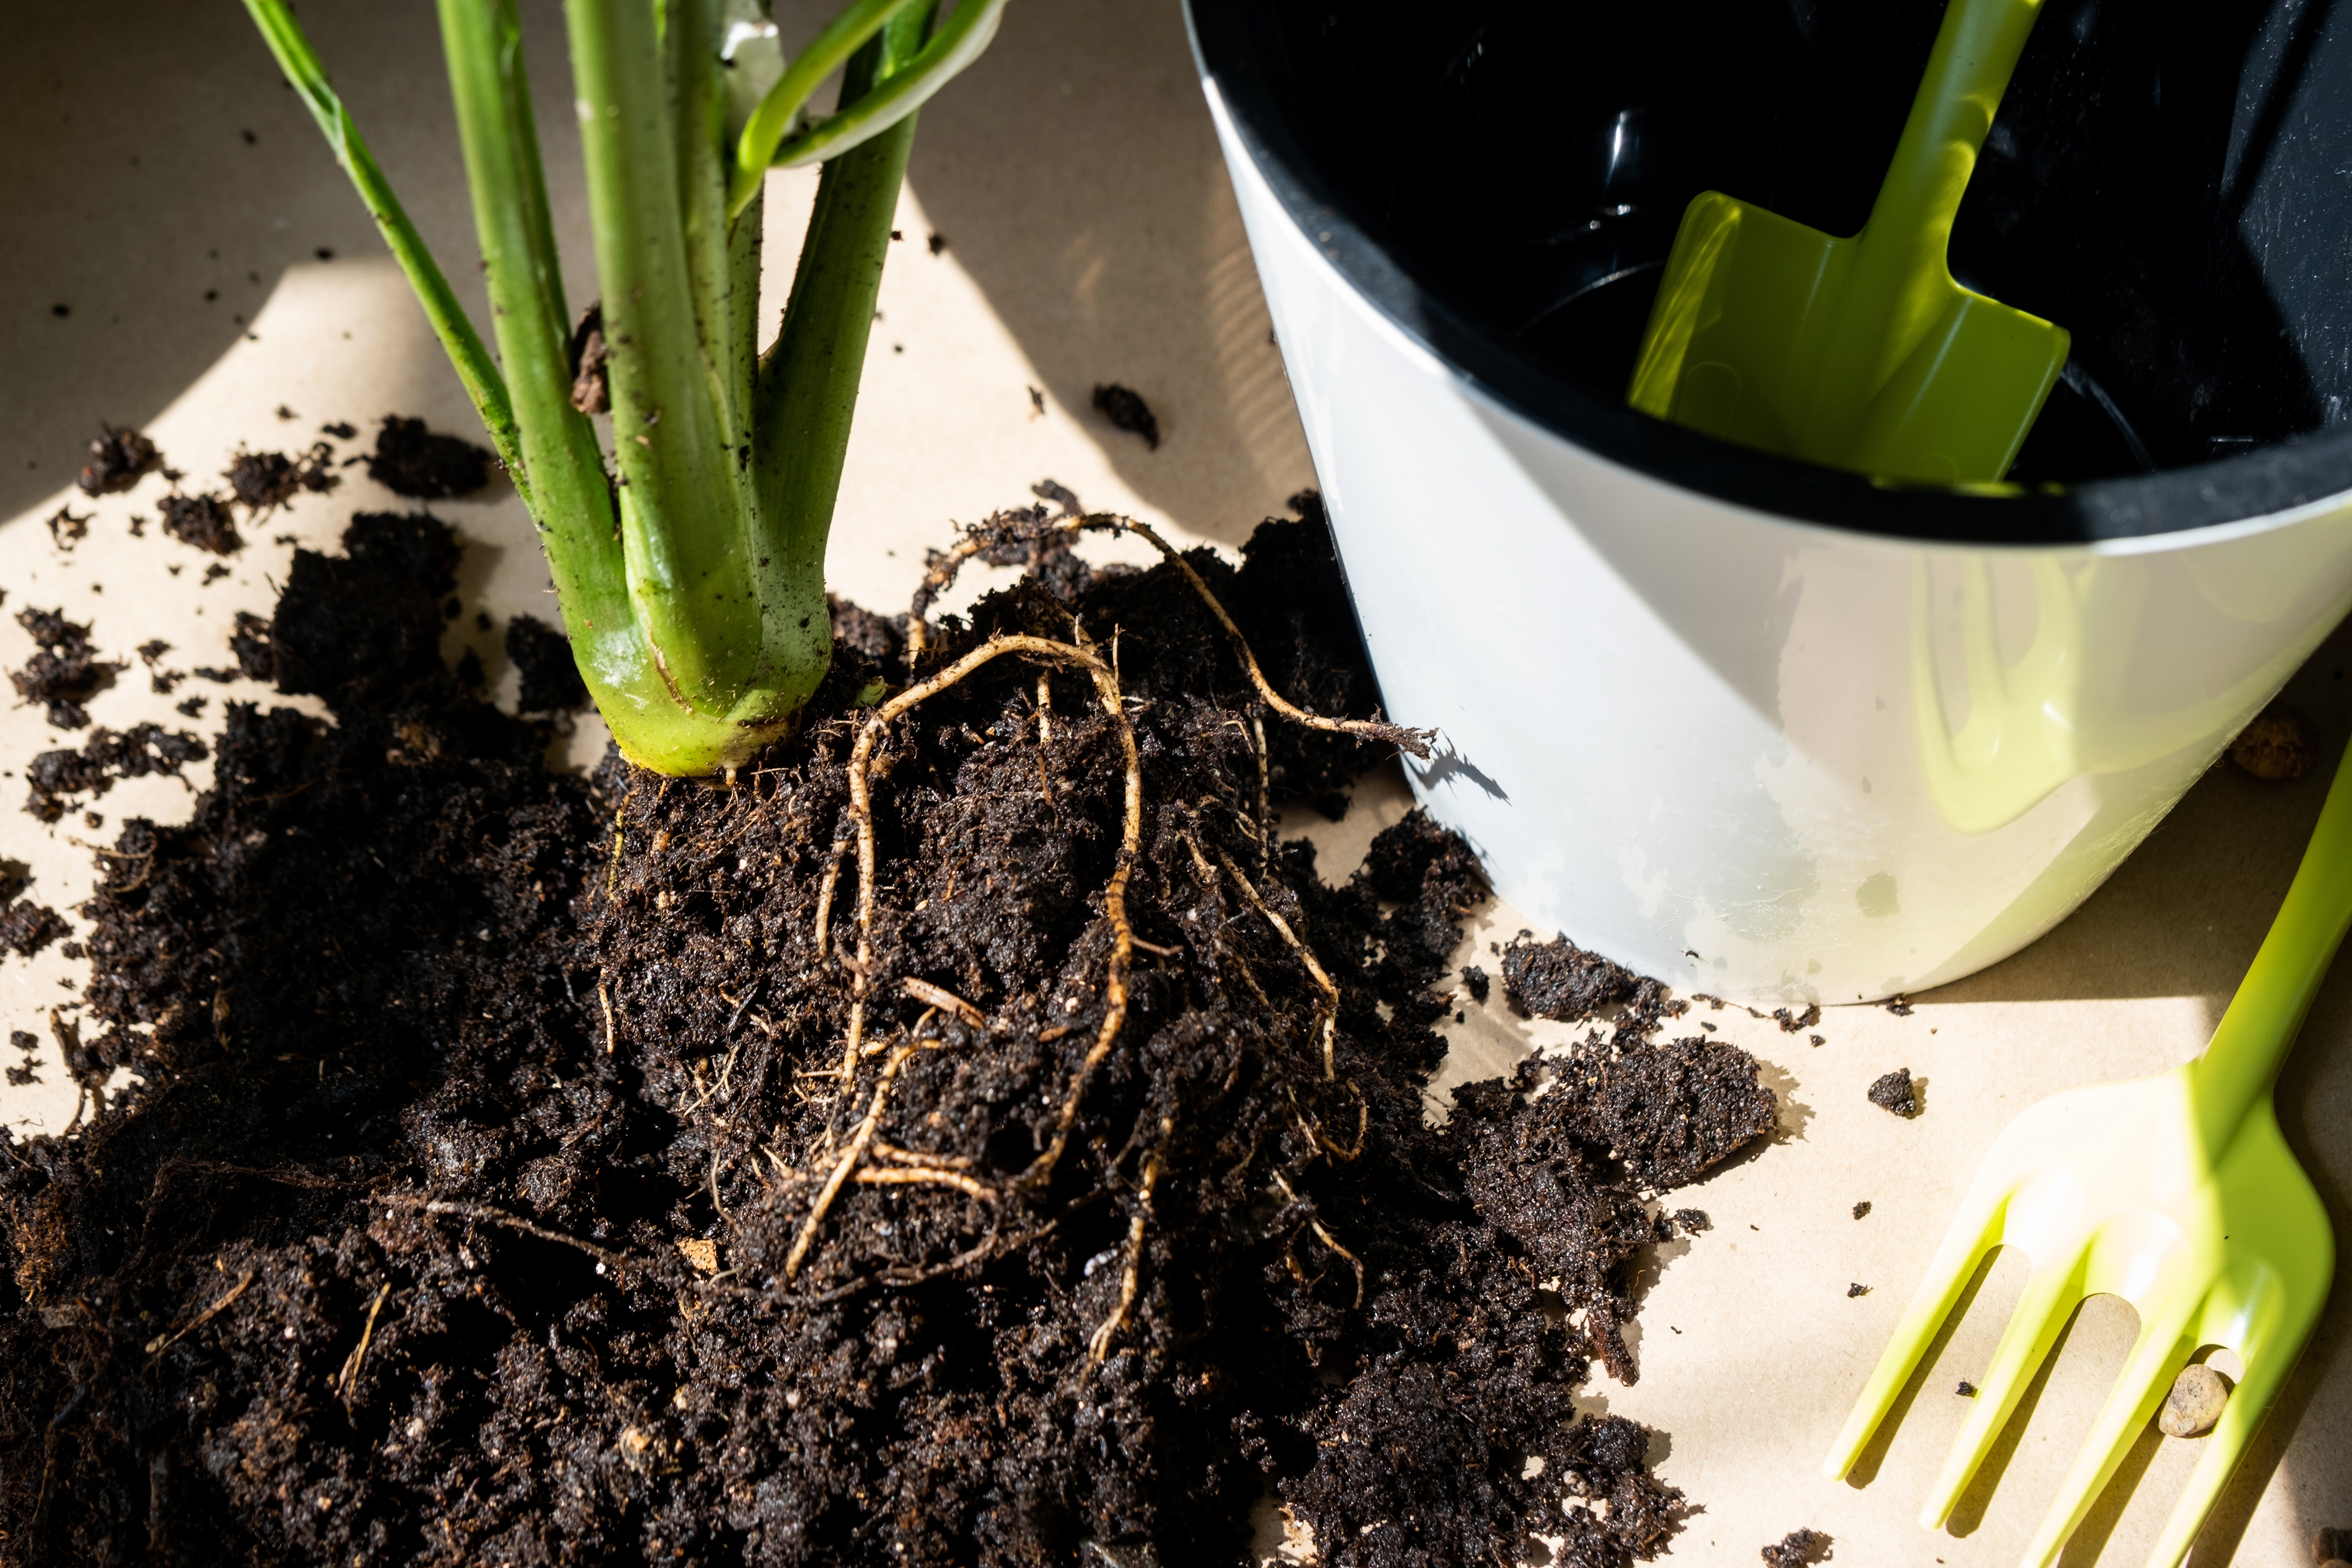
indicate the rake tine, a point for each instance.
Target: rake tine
{"x":1974,"y":1232}
{"x":2051,"y":1295}
{"x":2156,"y":1357}
{"x":2268,"y":1354}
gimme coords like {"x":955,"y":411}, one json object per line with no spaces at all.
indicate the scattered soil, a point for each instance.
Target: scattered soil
{"x":117,"y":459}
{"x":1896,"y":1092}
{"x":257,"y":659}
{"x":68,"y":527}
{"x":1475,"y":978}
{"x":1559,"y":980}
{"x":65,"y":670}
{"x":27,"y":1044}
{"x":263,"y":482}
{"x":410,"y":460}
{"x":513,"y":1174}
{"x":202,"y":521}
{"x":1862,"y":1209}
{"x":542,"y":656}
{"x":108,"y":756}
{"x":2281,"y":743}
{"x":27,"y":926}
{"x":1125,"y":408}
{"x":1797,"y":1549}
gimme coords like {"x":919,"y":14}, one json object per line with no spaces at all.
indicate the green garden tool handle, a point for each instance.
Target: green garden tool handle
{"x":1900,"y":271}
{"x":2256,"y":1032}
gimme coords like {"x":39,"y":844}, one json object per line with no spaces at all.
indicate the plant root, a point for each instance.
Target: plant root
{"x":1099,"y":1342}
{"x":825,"y":897}
{"x":349,"y":1378}
{"x":1122,"y":950}
{"x":848,"y":1160}
{"x":945,"y":1000}
{"x":158,"y":1346}
{"x":1331,"y":1008}
{"x":483,"y":1213}
{"x":947,"y":562}
{"x":861,"y":797}
{"x":1416,"y":742}
{"x":1323,"y":1236}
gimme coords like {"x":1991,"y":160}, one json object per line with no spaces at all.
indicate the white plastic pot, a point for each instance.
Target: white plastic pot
{"x":1755,"y":728}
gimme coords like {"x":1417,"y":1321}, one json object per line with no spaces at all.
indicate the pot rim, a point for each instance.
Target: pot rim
{"x":1232,"y":43}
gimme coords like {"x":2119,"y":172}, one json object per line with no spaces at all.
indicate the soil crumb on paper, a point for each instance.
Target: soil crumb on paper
{"x":26,"y":927}
{"x":1896,"y":1092}
{"x":1797,"y":1549}
{"x":412,"y":461}
{"x":64,"y":671}
{"x":1126,"y":410}
{"x":117,"y":459}
{"x":202,"y":521}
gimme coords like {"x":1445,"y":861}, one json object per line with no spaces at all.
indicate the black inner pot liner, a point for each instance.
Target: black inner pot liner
{"x":2163,"y":183}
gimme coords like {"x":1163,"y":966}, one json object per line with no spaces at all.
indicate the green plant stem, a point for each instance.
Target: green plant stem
{"x":467,"y":353}
{"x":692,"y":581}
{"x":809,"y":378}
{"x":572,"y":499}
{"x":722,"y":263}
{"x":681,"y":529}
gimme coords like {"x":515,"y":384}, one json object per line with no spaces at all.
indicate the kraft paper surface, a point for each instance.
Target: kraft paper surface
{"x":181,"y":254}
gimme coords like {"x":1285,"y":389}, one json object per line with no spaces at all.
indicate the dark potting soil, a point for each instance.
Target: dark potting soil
{"x":411,"y":460}
{"x":143,"y":748}
{"x":202,"y":521}
{"x":1797,"y":1549}
{"x":26,"y":927}
{"x":1125,"y":408}
{"x":1896,"y":1092}
{"x":490,"y":1189}
{"x":117,"y":459}
{"x":541,"y":656}
{"x":64,"y":671}
{"x":263,"y":480}
{"x":1558,"y":979}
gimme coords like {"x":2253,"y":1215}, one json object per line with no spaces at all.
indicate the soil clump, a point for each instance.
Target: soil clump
{"x":1125,"y":408}
{"x":26,"y":927}
{"x":1797,"y":1549}
{"x":967,"y":1136}
{"x":65,"y":670}
{"x":541,"y":656}
{"x":1896,"y":1092}
{"x":264,"y":481}
{"x":412,"y":461}
{"x":117,"y":459}
{"x":202,"y":521}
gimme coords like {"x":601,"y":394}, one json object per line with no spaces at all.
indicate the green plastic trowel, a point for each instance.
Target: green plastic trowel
{"x":1861,"y":353}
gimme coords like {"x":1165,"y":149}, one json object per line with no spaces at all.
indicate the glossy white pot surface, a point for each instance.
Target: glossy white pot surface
{"x":1749,"y":755}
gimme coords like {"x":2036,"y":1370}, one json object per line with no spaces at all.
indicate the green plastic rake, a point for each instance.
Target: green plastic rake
{"x":2176,"y":1192}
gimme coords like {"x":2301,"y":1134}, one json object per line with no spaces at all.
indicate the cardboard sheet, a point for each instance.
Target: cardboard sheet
{"x":181,"y":254}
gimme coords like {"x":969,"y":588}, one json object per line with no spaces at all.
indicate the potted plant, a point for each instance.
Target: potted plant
{"x":1759,"y":727}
